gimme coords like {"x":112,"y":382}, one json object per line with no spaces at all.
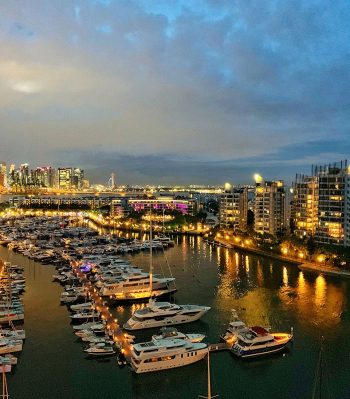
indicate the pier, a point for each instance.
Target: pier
{"x":111,"y":323}
{"x":221,"y":346}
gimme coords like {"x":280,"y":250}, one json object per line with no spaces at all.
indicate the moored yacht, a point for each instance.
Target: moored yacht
{"x":173,"y":333}
{"x":137,"y":287}
{"x":166,"y":354}
{"x":158,"y":314}
{"x":257,"y":341}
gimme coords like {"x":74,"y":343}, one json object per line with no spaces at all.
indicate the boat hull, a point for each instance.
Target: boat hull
{"x":178,"y":361}
{"x":262,"y":351}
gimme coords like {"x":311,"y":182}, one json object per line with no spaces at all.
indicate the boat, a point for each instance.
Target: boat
{"x":6,"y":317}
{"x":235,"y":327}
{"x":100,"y":349}
{"x":94,"y":339}
{"x":89,"y":325}
{"x":257,"y":341}
{"x":136,"y":287}
{"x":165,"y":354}
{"x":158,"y":314}
{"x":84,"y":315}
{"x":8,"y":359}
{"x":9,"y":346}
{"x":141,"y":286}
{"x":14,"y":334}
{"x":173,"y":333}
{"x":82,"y":306}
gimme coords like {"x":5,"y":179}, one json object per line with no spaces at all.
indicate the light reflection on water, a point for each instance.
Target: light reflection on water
{"x":264,"y":292}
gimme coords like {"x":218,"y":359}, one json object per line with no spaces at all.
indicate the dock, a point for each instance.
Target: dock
{"x":222,"y":346}
{"x":112,"y":326}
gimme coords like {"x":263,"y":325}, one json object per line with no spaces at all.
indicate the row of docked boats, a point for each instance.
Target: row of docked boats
{"x":86,"y":319}
{"x":12,"y":285}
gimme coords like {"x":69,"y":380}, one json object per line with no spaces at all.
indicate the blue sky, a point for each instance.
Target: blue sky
{"x":175,"y":91}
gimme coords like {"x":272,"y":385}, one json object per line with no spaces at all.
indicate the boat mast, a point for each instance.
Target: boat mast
{"x":209,"y":384}
{"x":5,"y":392}
{"x":150,"y":253}
{"x":209,"y":381}
{"x":318,"y":375}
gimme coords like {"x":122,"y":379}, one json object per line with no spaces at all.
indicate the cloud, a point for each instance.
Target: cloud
{"x":199,"y":83}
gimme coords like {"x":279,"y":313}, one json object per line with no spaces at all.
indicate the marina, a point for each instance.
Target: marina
{"x":263,"y":292}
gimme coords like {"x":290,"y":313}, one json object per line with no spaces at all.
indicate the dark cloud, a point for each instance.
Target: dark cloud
{"x":207,"y":89}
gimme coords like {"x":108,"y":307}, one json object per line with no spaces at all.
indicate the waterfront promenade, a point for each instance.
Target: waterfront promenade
{"x":304,"y":266}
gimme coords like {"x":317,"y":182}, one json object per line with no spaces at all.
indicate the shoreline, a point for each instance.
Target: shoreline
{"x":306,"y":266}
{"x":111,"y":226}
{"x":255,"y":251}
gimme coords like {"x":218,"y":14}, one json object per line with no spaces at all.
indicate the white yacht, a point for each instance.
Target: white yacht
{"x":166,"y":354}
{"x":10,"y":346}
{"x":85,"y":315}
{"x":100,"y":349}
{"x":140,"y":286}
{"x":82,"y":306}
{"x":235,"y":327}
{"x":257,"y":341}
{"x":173,"y":333}
{"x":137,"y":287}
{"x":159,"y":314}
{"x":5,"y":316}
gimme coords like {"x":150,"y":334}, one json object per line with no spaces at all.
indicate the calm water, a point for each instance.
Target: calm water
{"x":52,"y":364}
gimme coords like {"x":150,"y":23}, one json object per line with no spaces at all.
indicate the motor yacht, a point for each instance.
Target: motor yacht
{"x":165,"y":354}
{"x":137,"y":287}
{"x":158,"y":314}
{"x":100,"y":349}
{"x":257,"y":341}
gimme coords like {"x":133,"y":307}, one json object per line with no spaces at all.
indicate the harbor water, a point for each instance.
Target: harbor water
{"x":263,"y":291}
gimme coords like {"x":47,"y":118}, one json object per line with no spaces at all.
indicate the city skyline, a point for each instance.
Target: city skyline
{"x":192,"y":92}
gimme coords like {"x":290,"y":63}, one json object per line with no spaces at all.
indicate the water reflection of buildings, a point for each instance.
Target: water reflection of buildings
{"x":250,"y":284}
{"x":313,"y":300}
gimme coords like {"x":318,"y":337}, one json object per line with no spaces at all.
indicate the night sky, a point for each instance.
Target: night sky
{"x":175,"y":91}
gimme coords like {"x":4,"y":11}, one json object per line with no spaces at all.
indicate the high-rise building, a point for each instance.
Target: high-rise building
{"x":44,"y":176}
{"x":112,"y":182}
{"x":305,"y":205}
{"x":322,"y":204}
{"x":70,"y":178}
{"x":77,"y":178}
{"x":269,"y":208}
{"x":24,"y":175}
{"x":64,"y":178}
{"x":3,"y":176}
{"x":333,"y":198}
{"x":233,"y":207}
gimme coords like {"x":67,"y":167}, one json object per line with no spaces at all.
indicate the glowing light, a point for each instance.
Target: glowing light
{"x":258,"y":178}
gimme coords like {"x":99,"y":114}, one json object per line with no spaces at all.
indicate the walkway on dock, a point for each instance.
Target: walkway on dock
{"x":222,"y":346}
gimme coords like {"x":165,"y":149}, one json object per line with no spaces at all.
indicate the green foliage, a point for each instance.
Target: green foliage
{"x":212,"y":206}
{"x":4,"y":206}
{"x":250,"y":218}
